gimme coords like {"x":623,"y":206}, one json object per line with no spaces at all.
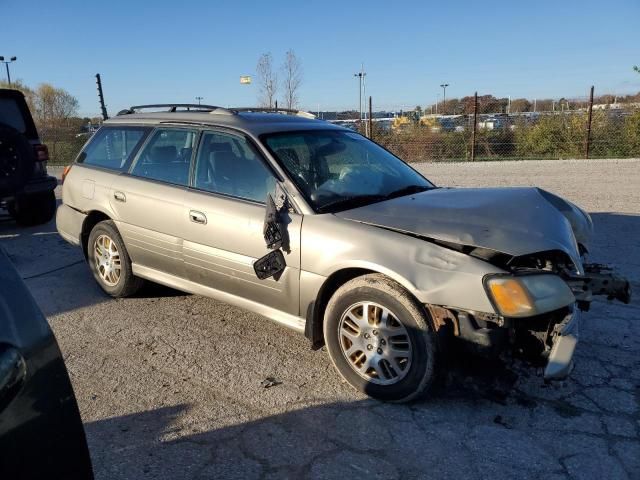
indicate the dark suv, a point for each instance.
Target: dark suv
{"x":26,"y":190}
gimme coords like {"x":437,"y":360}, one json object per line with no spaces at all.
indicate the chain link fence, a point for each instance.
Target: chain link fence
{"x":64,"y":143}
{"x":480,"y":129}
{"x":567,"y":129}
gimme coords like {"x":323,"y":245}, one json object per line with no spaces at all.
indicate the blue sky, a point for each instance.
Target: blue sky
{"x":175,"y":50}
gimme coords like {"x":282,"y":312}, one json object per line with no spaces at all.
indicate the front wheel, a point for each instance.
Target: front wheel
{"x":381,"y":339}
{"x":110,"y":262}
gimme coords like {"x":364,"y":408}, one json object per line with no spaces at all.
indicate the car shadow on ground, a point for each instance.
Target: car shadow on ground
{"x":56,"y":272}
{"x":450,"y":436}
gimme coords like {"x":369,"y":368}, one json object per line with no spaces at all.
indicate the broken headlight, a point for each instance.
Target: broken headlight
{"x":527,"y":295}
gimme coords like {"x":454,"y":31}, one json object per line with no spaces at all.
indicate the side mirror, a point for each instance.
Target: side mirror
{"x":272,"y":228}
{"x":271,"y":265}
{"x":275,"y":235}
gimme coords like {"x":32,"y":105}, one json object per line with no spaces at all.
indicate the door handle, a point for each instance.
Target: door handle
{"x":120,"y":196}
{"x":197,"y":217}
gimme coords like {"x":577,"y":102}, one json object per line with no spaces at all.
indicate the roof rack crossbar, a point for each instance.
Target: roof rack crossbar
{"x":173,"y":107}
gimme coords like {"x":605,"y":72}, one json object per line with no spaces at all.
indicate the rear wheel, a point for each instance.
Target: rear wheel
{"x":34,"y":209}
{"x":380,"y":339}
{"x":110,"y":262}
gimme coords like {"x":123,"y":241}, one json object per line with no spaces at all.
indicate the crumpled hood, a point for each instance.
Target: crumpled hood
{"x":515,"y":221}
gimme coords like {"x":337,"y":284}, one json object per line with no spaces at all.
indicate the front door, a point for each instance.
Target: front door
{"x":225,"y":212}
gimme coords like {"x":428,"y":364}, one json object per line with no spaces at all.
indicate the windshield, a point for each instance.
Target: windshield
{"x":337,"y":170}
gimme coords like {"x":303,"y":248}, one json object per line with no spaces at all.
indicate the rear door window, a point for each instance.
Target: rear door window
{"x":113,"y":147}
{"x":167,"y":156}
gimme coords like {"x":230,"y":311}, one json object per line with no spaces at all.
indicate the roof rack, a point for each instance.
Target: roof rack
{"x":173,"y":107}
{"x":288,"y":111}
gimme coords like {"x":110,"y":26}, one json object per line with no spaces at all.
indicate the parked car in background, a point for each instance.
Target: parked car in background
{"x":41,"y":432}
{"x":320,"y":229}
{"x":26,"y":190}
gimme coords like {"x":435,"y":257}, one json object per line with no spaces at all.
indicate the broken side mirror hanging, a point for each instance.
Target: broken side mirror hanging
{"x":271,"y":229}
{"x":275,"y":236}
{"x":271,"y":265}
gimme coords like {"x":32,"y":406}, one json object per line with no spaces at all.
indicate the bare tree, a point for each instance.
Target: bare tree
{"x":268,"y":80}
{"x":292,"y":69}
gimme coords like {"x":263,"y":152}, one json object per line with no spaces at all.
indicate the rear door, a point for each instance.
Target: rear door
{"x":225,"y":213}
{"x":149,"y":201}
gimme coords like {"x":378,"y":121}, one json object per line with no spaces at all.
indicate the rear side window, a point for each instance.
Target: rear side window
{"x":112,"y":147}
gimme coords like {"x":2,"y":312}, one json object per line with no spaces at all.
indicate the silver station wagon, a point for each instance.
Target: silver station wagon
{"x":320,"y":229}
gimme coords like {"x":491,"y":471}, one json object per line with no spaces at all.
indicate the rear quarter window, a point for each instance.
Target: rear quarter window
{"x":113,"y":147}
{"x":11,"y":113}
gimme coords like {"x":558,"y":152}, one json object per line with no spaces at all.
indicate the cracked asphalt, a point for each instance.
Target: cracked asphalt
{"x":172,"y":385}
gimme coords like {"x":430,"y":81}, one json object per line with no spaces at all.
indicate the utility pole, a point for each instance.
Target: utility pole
{"x":199,"y":99}
{"x":444,"y":97}
{"x":588,"y":139}
{"x":370,"y":132}
{"x":101,"y":97}
{"x":6,"y":64}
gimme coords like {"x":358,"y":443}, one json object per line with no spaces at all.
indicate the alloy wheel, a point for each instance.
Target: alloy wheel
{"x":107,"y":260}
{"x":375,"y":343}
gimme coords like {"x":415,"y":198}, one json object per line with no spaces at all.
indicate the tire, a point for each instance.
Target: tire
{"x":405,"y":344}
{"x":117,"y":283}
{"x":34,"y":209}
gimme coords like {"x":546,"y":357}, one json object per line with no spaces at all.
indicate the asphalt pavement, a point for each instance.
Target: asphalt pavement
{"x":175,"y":386}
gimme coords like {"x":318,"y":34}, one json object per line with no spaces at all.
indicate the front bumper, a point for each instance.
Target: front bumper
{"x":564,"y":341}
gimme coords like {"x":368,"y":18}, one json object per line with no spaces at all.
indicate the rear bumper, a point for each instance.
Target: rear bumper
{"x":33,"y":186}
{"x":40,"y":185}
{"x":565,"y":339}
{"x":69,"y":223}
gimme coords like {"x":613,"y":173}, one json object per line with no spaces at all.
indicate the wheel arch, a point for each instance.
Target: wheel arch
{"x":93,"y":218}
{"x":315,"y":310}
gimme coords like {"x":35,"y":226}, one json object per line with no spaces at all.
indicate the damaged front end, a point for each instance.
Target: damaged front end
{"x":535,"y":240}
{"x":546,"y":335}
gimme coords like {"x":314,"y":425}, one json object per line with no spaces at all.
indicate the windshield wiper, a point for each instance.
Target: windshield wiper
{"x":352,"y":201}
{"x":408,"y":190}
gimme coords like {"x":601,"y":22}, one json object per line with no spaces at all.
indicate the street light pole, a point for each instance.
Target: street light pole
{"x":444,"y":96}
{"x":199,"y":98}
{"x":360,"y":76}
{"x":6,"y":64}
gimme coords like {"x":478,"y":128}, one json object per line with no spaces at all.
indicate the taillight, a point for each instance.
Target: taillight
{"x":42,"y":152}
{"x":65,"y":172}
